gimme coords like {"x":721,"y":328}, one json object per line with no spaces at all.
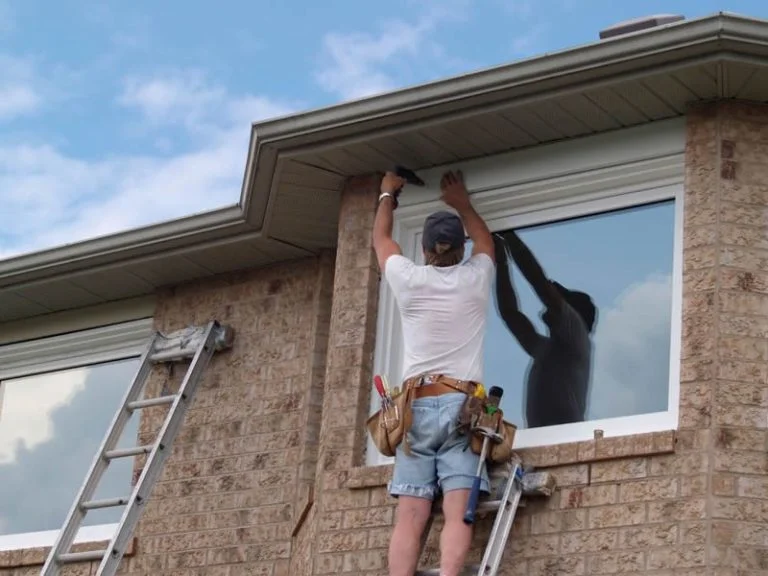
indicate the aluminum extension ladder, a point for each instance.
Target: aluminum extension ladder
{"x":196,"y":345}
{"x":506,"y":509}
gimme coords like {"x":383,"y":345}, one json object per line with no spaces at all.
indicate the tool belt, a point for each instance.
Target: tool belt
{"x":390,"y":425}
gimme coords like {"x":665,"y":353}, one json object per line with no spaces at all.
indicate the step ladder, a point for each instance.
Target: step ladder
{"x":521,"y":482}
{"x":506,"y":509}
{"x":195,"y":345}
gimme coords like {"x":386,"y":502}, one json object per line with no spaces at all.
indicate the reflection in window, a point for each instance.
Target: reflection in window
{"x":51,"y":426}
{"x":580,"y":321}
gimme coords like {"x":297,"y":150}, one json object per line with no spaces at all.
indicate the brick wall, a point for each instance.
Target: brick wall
{"x":240,"y":474}
{"x":726,"y":364}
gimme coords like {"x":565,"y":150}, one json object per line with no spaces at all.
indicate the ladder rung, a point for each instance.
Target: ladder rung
{"x":105,"y":503}
{"x":468,"y":571}
{"x":125,"y":452}
{"x":89,"y":556}
{"x":159,"y":401}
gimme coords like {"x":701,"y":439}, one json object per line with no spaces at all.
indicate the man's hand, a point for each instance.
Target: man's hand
{"x":392,"y":183}
{"x":454,"y":193}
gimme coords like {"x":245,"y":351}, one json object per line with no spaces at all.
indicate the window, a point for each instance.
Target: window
{"x":57,"y":398}
{"x":609,"y":360}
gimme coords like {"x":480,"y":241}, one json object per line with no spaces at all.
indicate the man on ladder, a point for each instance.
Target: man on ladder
{"x":443,"y":307}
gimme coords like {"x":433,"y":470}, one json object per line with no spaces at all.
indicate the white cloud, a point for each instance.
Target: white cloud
{"x":631,"y":343}
{"x":186,"y":98}
{"x":51,"y":198}
{"x":27,"y":406}
{"x":19,"y":94}
{"x":62,"y":418}
{"x":181,"y":96}
{"x":357,"y":65}
{"x":17,"y":100}
{"x":353,"y":70}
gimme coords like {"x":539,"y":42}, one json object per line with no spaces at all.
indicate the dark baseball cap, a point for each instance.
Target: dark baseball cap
{"x":442,"y":227}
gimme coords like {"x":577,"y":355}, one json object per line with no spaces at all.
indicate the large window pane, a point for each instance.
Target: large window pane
{"x":553,"y":369}
{"x":50,"y":428}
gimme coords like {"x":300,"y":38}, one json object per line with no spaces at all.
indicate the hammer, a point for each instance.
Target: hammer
{"x":409,"y":176}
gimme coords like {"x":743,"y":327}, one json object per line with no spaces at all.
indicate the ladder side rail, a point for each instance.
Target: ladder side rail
{"x":502,"y":524}
{"x":99,"y":464}
{"x":155,"y":462}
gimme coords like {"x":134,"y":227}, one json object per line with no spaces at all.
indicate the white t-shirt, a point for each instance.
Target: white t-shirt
{"x":443,"y":311}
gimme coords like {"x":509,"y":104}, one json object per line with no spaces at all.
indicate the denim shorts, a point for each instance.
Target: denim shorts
{"x":440,"y":459}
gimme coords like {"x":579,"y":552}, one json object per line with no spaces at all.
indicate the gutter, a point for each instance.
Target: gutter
{"x":698,"y":37}
{"x":190,"y":230}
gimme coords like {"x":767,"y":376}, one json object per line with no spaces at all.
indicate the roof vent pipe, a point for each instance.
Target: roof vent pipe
{"x":637,"y":24}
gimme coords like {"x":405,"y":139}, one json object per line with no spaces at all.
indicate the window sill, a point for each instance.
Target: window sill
{"x":597,"y":450}
{"x":24,"y":558}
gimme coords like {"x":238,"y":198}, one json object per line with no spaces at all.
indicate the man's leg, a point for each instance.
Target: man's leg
{"x":414,"y":483}
{"x":456,"y":469}
{"x":456,"y":537}
{"x":404,"y":547}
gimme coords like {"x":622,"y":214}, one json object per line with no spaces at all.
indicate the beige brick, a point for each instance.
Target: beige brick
{"x":617,"y":470}
{"x":743,"y":325}
{"x":742,"y":461}
{"x":740,"y":509}
{"x":653,"y":489}
{"x":617,"y":515}
{"x":616,"y":563}
{"x":589,"y":541}
{"x":686,"y":509}
{"x":360,"y":561}
{"x":724,"y":484}
{"x":533,"y":546}
{"x":748,"y":372}
{"x":741,"y":394}
{"x":368,"y":517}
{"x":684,"y":557}
{"x":571,"y":475}
{"x":693,"y":533}
{"x":589,"y":496}
{"x":559,"y":521}
{"x":556,"y":566}
{"x":651,"y":536}
{"x":694,"y":486}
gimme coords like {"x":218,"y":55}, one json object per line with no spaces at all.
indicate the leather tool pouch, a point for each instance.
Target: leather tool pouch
{"x":389,"y":426}
{"x":497,"y":451}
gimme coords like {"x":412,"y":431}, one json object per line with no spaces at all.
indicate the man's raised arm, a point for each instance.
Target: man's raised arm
{"x":456,"y":196}
{"x":383,"y":244}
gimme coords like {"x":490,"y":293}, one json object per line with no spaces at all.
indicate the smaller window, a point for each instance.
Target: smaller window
{"x":52,"y":422}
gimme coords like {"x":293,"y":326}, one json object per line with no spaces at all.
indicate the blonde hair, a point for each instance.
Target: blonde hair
{"x":444,"y":255}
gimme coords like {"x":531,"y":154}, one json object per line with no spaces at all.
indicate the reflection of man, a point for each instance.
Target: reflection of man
{"x":559,"y":374}
{"x":443,"y":308}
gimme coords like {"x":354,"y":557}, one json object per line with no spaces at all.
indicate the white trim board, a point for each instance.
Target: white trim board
{"x":74,"y":349}
{"x":97,"y":345}
{"x":565,"y":180}
{"x":46,"y":538}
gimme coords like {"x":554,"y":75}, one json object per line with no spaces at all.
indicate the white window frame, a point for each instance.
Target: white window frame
{"x":51,"y":354}
{"x":565,"y":180}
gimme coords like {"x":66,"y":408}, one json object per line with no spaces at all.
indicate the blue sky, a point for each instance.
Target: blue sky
{"x":114,"y":115}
